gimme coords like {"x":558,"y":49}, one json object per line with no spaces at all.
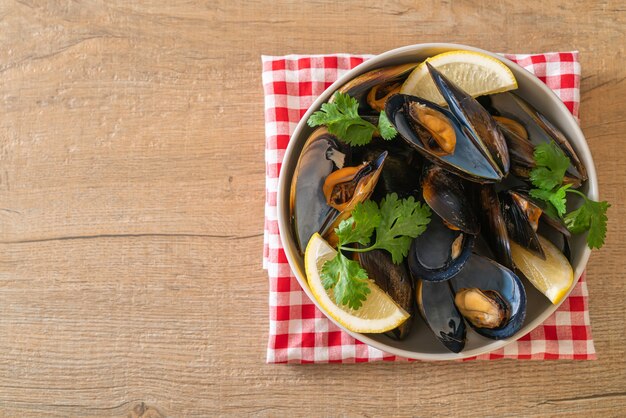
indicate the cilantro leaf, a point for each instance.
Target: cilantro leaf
{"x":551,"y":211}
{"x":347,"y":279}
{"x":578,"y":221}
{"x":367,"y":216}
{"x":401,"y":221}
{"x":555,"y":197}
{"x":385,"y":128}
{"x":355,"y":134}
{"x":341,"y":117}
{"x":358,"y":228}
{"x":590,"y":216}
{"x":551,"y":165}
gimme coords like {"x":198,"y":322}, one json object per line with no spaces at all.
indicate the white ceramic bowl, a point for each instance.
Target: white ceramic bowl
{"x":421,"y":343}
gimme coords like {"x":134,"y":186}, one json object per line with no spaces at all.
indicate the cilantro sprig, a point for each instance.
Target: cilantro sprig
{"x":547,"y":177}
{"x":396,"y":222}
{"x":341,"y":117}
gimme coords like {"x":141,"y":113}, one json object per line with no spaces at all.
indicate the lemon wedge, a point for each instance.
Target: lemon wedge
{"x":476,"y":73}
{"x":379,"y":313}
{"x":553,"y":276}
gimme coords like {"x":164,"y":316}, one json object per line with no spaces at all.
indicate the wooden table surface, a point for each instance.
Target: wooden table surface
{"x":131,"y":209}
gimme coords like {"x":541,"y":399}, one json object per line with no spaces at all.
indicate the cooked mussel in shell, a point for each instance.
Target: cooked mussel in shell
{"x":345,"y":188}
{"x":538,"y":129}
{"x":458,"y":155}
{"x":490,"y":297}
{"x":438,"y":132}
{"x":449,"y":198}
{"x":477,"y":123}
{"x":321,"y":155}
{"x":494,"y":227}
{"x":512,"y":214}
{"x":373,"y":88}
{"x":483,"y":309}
{"x":521,"y":217}
{"x":400,"y":173}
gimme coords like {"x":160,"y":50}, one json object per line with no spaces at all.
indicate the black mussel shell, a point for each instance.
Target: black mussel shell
{"x":494,"y":227}
{"x":487,"y":275}
{"x":520,"y":151}
{"x":400,"y":173}
{"x":440,"y":252}
{"x":448,"y":197}
{"x":393,"y":279}
{"x":363,"y":183}
{"x":476,"y":121}
{"x":310,"y":213}
{"x":385,"y":79}
{"x":521,"y":217}
{"x":466,"y":161}
{"x":539,"y":130}
{"x":552,"y":221}
{"x":436,"y":305}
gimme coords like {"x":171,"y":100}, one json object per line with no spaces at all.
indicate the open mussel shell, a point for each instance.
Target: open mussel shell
{"x":520,"y":151}
{"x":494,"y":227}
{"x":448,"y":197}
{"x":477,"y":123}
{"x":553,"y":222}
{"x":501,"y":286}
{"x":436,"y":305}
{"x":539,"y":130}
{"x":347,"y":187}
{"x":530,"y":216}
{"x":401,"y":172}
{"x":521,"y":216}
{"x":374,"y":87}
{"x":393,"y":279}
{"x":440,"y":252}
{"x":310,"y":213}
{"x":466,"y":160}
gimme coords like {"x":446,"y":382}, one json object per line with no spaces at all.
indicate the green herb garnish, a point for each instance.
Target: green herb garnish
{"x":342,"y":119}
{"x":396,"y":222}
{"x":547,"y":177}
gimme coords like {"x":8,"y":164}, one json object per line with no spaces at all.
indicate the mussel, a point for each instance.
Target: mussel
{"x":520,"y":148}
{"x":401,"y":172}
{"x":477,"y":123}
{"x":373,"y":88}
{"x":464,"y":139}
{"x":310,"y":213}
{"x":440,"y":252}
{"x":538,"y":129}
{"x":324,"y":191}
{"x":490,"y":297}
{"x":436,"y":305}
{"x":450,"y":199}
{"x":512,"y":214}
{"x":343,"y":189}
{"x":393,"y":279}
{"x":437,"y":132}
{"x":494,"y":227}
{"x":482,"y":308}
{"x":521,"y":217}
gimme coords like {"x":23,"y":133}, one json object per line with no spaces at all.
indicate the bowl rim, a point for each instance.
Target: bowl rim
{"x":285,"y":177}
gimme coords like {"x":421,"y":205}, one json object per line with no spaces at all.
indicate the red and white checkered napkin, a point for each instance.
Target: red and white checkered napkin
{"x":299,"y":332}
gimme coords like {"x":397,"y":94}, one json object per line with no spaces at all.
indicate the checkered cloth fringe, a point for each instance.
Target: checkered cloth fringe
{"x":299,"y":332}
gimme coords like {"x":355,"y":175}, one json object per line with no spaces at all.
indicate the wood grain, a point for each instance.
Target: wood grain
{"x":131,"y":209}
